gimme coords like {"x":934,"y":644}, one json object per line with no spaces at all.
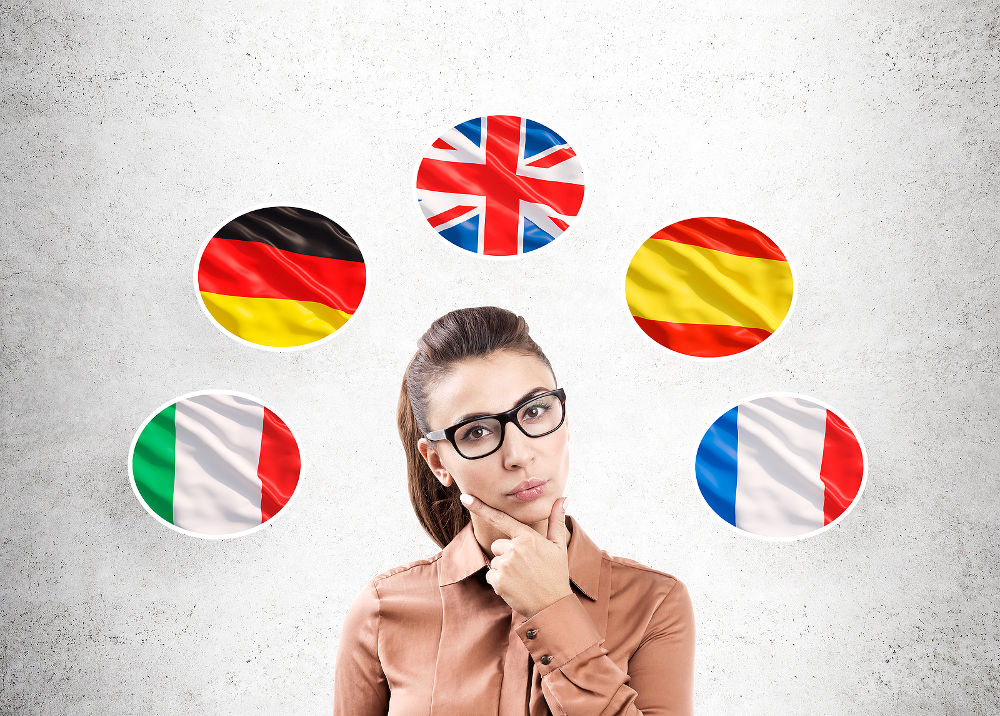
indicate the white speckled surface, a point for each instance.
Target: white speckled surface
{"x":860,"y":137}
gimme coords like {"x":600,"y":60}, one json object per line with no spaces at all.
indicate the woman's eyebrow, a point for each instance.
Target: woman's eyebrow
{"x":539,"y":389}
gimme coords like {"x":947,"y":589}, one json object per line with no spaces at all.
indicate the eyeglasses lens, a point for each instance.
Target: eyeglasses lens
{"x":537,"y":417}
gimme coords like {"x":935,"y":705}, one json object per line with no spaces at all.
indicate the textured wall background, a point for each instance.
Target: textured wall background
{"x":861,"y":137}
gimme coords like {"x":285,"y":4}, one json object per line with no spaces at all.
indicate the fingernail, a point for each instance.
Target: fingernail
{"x":466,"y":499}
{"x":564,"y":504}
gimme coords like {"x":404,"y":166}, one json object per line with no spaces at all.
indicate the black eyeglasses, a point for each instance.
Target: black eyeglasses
{"x":478,"y":437}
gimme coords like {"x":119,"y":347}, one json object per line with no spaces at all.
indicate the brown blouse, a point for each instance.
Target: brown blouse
{"x":432,"y":637}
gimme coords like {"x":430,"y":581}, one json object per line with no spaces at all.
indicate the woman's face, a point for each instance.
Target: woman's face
{"x":493,"y":385}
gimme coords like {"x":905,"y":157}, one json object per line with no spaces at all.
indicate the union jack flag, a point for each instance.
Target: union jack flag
{"x":500,"y":185}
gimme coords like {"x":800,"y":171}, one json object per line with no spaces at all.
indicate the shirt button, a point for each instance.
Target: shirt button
{"x":531,"y":633}
{"x":546,"y":659}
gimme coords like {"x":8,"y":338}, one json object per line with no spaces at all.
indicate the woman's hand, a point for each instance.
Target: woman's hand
{"x":529,"y":572}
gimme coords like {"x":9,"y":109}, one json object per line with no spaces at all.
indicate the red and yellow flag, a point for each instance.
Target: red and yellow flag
{"x":708,"y":287}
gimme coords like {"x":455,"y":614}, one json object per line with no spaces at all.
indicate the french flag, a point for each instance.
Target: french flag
{"x":779,"y":466}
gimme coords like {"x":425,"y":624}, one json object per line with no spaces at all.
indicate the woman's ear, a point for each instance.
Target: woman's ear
{"x":434,"y":461}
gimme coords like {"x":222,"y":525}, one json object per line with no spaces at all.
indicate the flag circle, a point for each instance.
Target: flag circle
{"x":709,"y":287}
{"x":500,"y":185}
{"x":280,"y":277}
{"x":780,"y":466}
{"x":214,"y":464}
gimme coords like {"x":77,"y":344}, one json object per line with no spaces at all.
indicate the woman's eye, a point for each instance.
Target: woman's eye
{"x":533,"y":412}
{"x":476,"y":432}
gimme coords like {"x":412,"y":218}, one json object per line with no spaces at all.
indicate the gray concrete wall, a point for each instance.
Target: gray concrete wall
{"x":860,"y":136}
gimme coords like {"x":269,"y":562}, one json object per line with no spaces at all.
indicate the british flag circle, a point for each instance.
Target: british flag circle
{"x":500,"y":185}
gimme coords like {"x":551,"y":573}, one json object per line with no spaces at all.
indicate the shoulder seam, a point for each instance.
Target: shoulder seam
{"x":617,"y":560}
{"x":405,"y":568}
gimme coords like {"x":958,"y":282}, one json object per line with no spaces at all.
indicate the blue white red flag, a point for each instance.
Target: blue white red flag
{"x":779,"y":466}
{"x":500,"y":185}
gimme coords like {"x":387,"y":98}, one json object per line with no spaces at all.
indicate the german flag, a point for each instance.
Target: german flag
{"x":709,"y":287}
{"x":281,"y":276}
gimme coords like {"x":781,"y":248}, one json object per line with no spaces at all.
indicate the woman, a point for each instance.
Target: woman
{"x":520,"y":613}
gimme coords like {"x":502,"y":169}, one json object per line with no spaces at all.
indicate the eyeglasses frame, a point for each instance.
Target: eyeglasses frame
{"x":508,"y":416}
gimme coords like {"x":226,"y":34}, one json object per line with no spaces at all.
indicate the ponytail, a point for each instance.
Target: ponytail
{"x":438,"y":509}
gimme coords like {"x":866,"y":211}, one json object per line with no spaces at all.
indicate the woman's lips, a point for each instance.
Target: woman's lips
{"x":528,"y":491}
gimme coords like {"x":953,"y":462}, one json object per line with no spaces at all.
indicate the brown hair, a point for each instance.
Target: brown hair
{"x":456,"y":336}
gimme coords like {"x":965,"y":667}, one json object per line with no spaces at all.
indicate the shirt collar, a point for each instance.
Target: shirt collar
{"x":463,"y":557}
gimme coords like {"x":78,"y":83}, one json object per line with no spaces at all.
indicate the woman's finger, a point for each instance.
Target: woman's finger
{"x":500,"y":546}
{"x":499,"y":519}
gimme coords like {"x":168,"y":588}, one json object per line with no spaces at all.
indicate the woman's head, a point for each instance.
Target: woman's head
{"x":476,"y":361}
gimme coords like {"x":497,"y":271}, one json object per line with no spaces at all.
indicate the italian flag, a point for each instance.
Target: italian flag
{"x":215,"y":464}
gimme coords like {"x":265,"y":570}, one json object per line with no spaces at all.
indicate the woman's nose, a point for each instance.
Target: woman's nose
{"x":517,"y":448}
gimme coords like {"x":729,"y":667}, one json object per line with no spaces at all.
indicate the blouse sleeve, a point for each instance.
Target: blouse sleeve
{"x":580,"y":679}
{"x":359,"y":684}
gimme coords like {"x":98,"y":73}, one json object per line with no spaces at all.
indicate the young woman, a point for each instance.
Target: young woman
{"x":520,"y":614}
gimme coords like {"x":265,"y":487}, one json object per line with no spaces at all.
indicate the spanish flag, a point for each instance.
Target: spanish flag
{"x":708,"y":287}
{"x":281,"y":277}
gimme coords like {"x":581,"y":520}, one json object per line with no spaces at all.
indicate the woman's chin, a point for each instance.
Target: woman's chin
{"x":534,"y":511}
